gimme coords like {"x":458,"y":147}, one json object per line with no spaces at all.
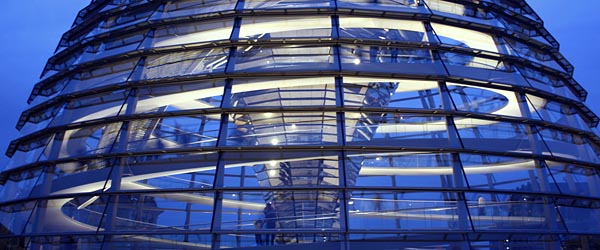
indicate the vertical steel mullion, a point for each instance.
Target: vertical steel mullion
{"x":453,"y":135}
{"x":217,"y":202}
{"x":335,"y":27}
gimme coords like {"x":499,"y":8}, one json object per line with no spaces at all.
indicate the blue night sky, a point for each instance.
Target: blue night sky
{"x":33,"y":28}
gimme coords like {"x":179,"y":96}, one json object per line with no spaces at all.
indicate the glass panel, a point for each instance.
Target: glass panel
{"x":458,"y":62}
{"x":37,"y":149}
{"x":467,"y":66}
{"x":388,"y":210}
{"x":494,"y":135}
{"x":13,"y":218}
{"x":181,"y":8}
{"x":111,"y":47}
{"x":580,"y":216}
{"x":285,"y":4}
{"x":465,"y":38}
{"x":463,"y":12}
{"x":405,"y":130}
{"x":267,"y":28}
{"x":182,"y":96}
{"x":38,"y":118}
{"x":63,"y":242}
{"x":47,"y":91}
{"x":401,"y":169}
{"x":484,"y":100}
{"x":556,"y":112}
{"x":195,"y":241}
{"x":527,"y":31}
{"x":284,"y":92}
{"x":19,"y":185}
{"x":408,"y":61}
{"x":567,"y":145}
{"x":111,"y":74}
{"x":185,"y":63}
{"x":534,"y":54}
{"x":410,"y":6}
{"x":88,"y":108}
{"x":161,"y":211}
{"x":124,"y":19}
{"x":515,"y":212}
{"x":281,"y":210}
{"x":87,"y":141}
{"x":281,"y":169}
{"x":250,"y":129}
{"x":514,"y":241}
{"x":83,"y":175}
{"x":287,"y":58}
{"x":391,"y":93}
{"x":325,"y":241}
{"x":576,"y":179}
{"x":191,"y":33}
{"x":173,"y":133}
{"x":548,"y":83}
{"x":194,"y":171}
{"x":575,"y":241}
{"x":69,"y":215}
{"x":506,"y":173}
{"x":414,"y":241}
{"x":393,"y":30}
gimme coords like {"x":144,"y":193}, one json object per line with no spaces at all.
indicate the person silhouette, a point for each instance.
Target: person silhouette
{"x":270,"y":222}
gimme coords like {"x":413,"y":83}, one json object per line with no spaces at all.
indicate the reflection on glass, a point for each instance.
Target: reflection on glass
{"x":87,"y":141}
{"x":265,"y":28}
{"x":506,"y":173}
{"x":382,"y":5}
{"x":556,"y":112}
{"x":388,"y":210}
{"x":285,"y":4}
{"x":14,"y":217}
{"x":484,"y":100}
{"x":407,"y":130}
{"x":181,"y":8}
{"x":104,"y":75}
{"x":282,"y":210}
{"x":160,"y":211}
{"x":125,"y":19}
{"x":458,"y":9}
{"x":548,"y":83}
{"x":173,"y":133}
{"x":176,"y":171}
{"x":567,"y":145}
{"x":575,"y":179}
{"x":279,"y":169}
{"x":492,"y":135}
{"x":515,"y":212}
{"x":285,"y":58}
{"x":534,"y":54}
{"x":88,"y":108}
{"x":401,"y":169}
{"x":113,"y":46}
{"x":391,"y":93}
{"x":19,"y":185}
{"x":276,"y":129}
{"x":388,"y":59}
{"x":580,"y":216}
{"x":191,"y":33}
{"x":179,"y":97}
{"x":281,"y":240}
{"x":185,"y":63}
{"x":284,"y":92}
{"x":382,"y":29}
{"x":465,"y":38}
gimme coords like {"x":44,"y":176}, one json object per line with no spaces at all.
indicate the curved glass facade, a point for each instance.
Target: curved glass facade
{"x":342,"y":124}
